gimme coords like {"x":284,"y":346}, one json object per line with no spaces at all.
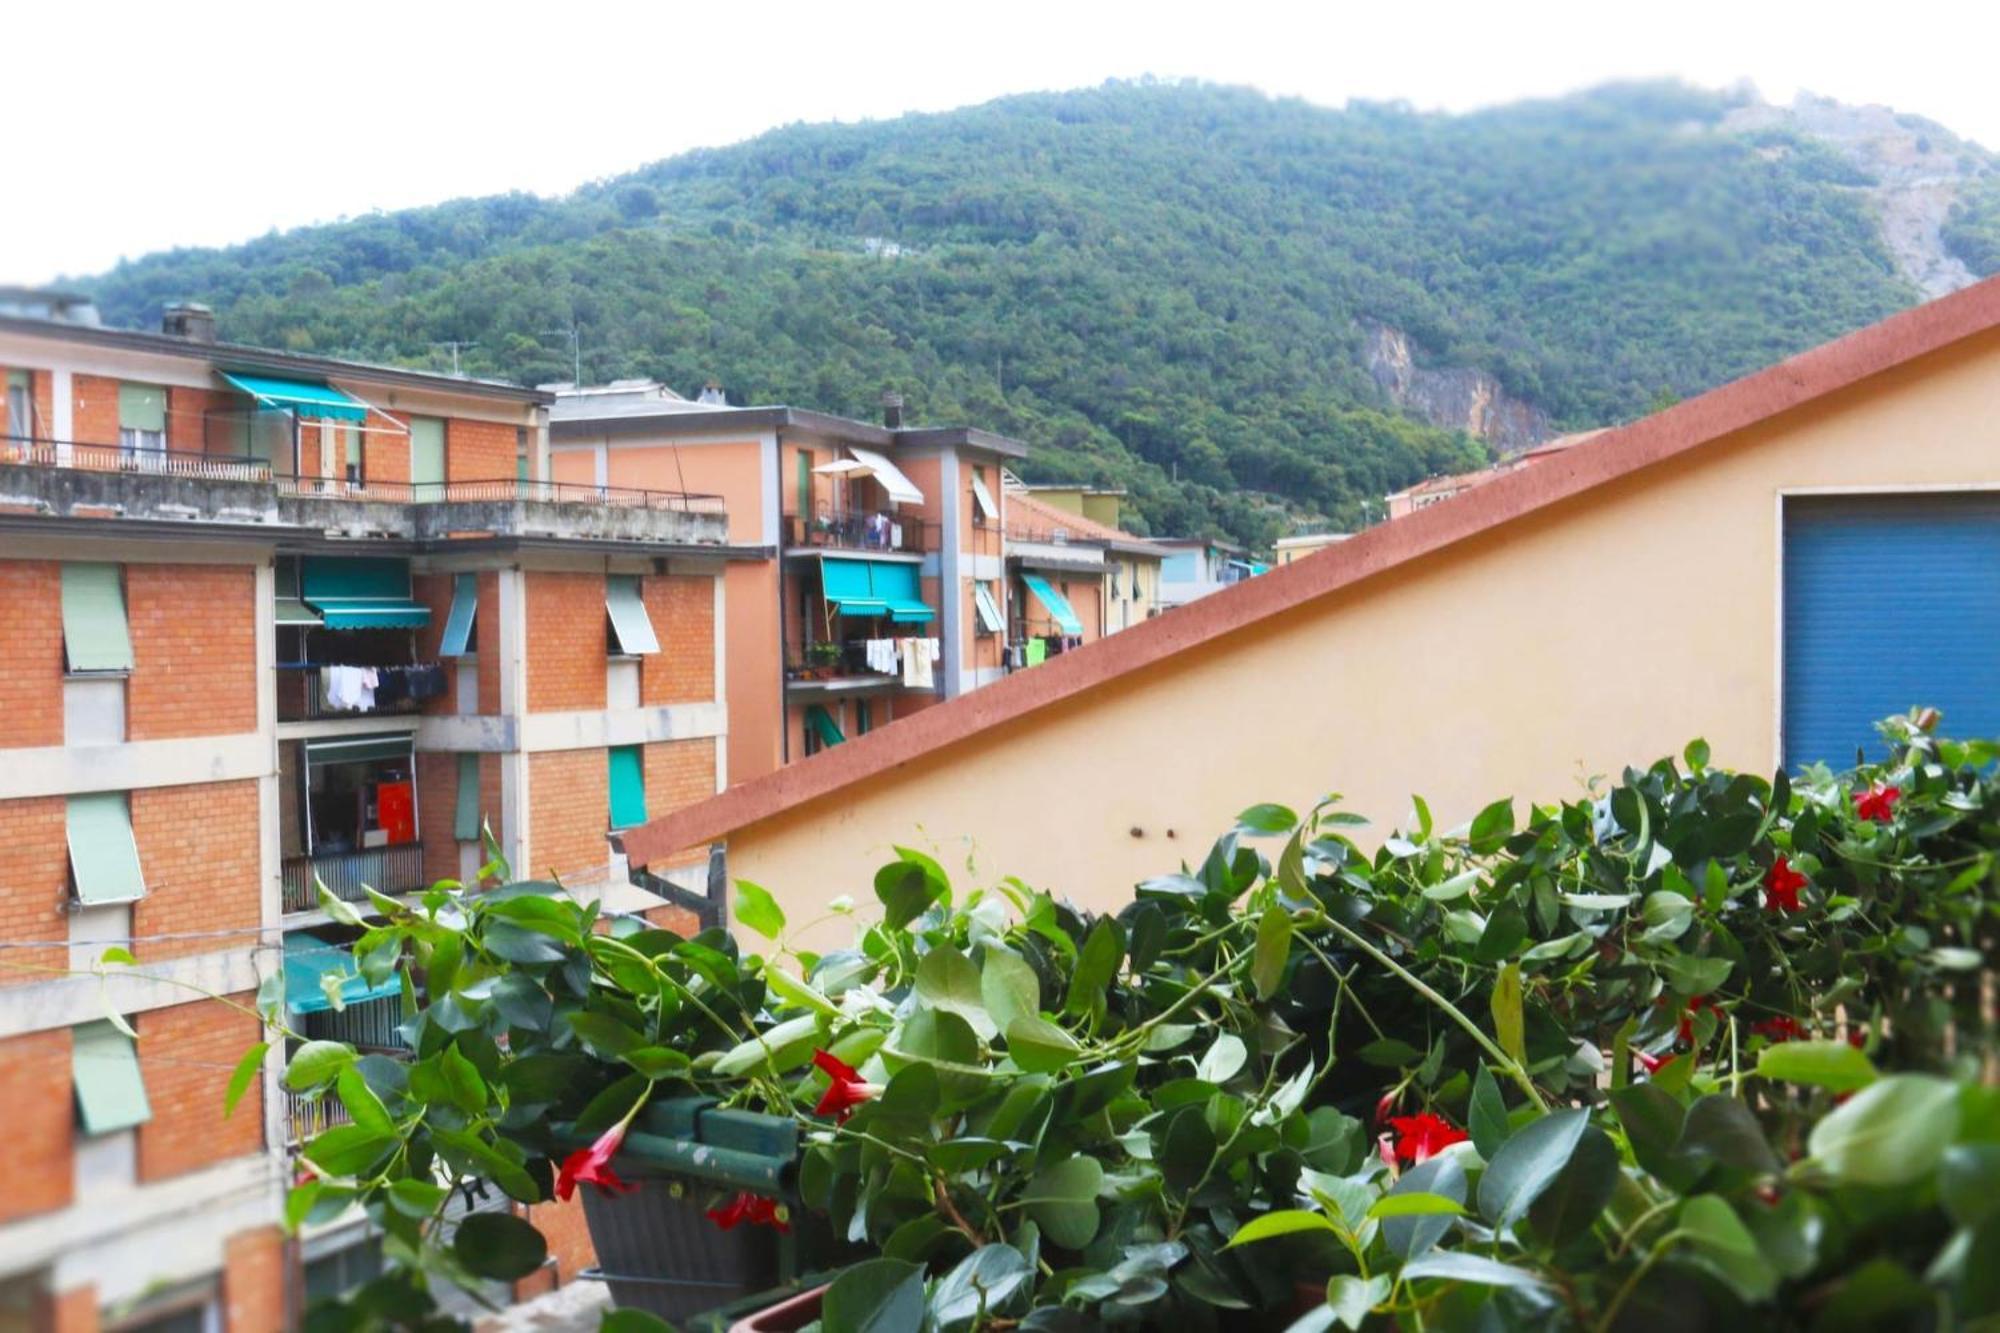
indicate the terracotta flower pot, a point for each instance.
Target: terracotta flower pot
{"x":792,"y":1313}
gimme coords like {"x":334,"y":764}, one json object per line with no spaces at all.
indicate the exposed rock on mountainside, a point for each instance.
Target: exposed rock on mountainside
{"x":1454,"y":397}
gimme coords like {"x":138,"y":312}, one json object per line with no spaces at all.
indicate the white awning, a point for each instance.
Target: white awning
{"x":901,"y":489}
{"x":840,"y":467}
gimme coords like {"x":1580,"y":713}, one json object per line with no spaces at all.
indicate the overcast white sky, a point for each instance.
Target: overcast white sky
{"x":137,"y":128}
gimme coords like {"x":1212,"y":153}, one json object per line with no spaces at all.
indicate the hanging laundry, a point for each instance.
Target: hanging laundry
{"x":880,"y":655}
{"x":1037,"y":652}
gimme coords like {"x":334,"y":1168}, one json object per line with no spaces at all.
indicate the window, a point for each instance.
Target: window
{"x":460,"y":627}
{"x":465,"y":822}
{"x":360,"y":793}
{"x":864,"y":717}
{"x":631,"y":627}
{"x":355,"y":471}
{"x":990,"y":619}
{"x":95,"y":635}
{"x":983,"y":508}
{"x":142,"y":417}
{"x":521,"y":458}
{"x":427,"y":450}
{"x":822,"y":732}
{"x":103,"y":857}
{"x":628,"y":786}
{"x":343,"y":1270}
{"x":805,"y":484}
{"x":20,"y":406}
{"x":110,"y":1092}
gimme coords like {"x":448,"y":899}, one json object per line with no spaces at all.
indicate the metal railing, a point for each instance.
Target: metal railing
{"x":500,"y":490}
{"x":368,"y":1024}
{"x":309,"y":1114}
{"x":32,"y":451}
{"x":398,"y":869}
{"x":301,"y":699}
{"x":859,"y":531}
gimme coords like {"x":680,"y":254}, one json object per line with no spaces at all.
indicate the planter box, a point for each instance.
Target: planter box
{"x":787,"y":1316}
{"x":662,"y":1255}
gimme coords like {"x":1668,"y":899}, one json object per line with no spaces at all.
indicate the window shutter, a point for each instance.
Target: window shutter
{"x":466,"y":824}
{"x":629,"y":620}
{"x":95,"y":635}
{"x":142,"y":407}
{"x":110,"y":1091}
{"x":628,"y":786}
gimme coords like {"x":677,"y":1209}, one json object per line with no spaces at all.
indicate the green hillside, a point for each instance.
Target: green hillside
{"x":1154,"y":285}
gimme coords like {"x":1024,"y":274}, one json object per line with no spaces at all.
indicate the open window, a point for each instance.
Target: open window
{"x":96,"y":636}
{"x":631,"y":631}
{"x":628,"y":786}
{"x":103,"y":856}
{"x":460,"y":626}
{"x":110,"y":1090}
{"x":990,"y":619}
{"x":984,"y":510}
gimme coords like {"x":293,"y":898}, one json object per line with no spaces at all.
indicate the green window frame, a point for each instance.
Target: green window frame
{"x":96,"y":636}
{"x":631,"y":627}
{"x":822,"y":732}
{"x":457,"y":640}
{"x":465,"y":821}
{"x":103,"y":855}
{"x":628,"y":786}
{"x":110,"y":1089}
{"x":805,"y":484}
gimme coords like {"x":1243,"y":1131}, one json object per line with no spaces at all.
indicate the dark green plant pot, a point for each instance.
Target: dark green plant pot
{"x":663,"y":1255}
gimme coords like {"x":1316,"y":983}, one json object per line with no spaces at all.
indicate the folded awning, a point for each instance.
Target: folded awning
{"x":990,"y":619}
{"x":389,"y":747}
{"x":313,"y":967}
{"x":848,"y":588}
{"x":823,"y":726}
{"x":901,"y":489}
{"x":371,"y":592}
{"x":898,"y":586}
{"x":1057,"y":605}
{"x":308,"y":398}
{"x":291,"y":610}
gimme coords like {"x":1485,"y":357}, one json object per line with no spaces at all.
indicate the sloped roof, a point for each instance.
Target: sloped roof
{"x":1030,"y":519}
{"x":1616,"y":454}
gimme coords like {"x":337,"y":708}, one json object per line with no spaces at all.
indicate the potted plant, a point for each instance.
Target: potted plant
{"x":824,"y":658}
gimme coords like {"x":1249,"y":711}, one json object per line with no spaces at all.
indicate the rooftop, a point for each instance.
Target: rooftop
{"x":1030,"y":519}
{"x":644,"y":406}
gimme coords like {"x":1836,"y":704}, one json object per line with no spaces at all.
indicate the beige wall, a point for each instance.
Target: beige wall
{"x":1605,"y":630}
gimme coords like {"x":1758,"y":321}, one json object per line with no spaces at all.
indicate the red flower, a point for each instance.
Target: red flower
{"x":1695,"y":1004}
{"x":1652,"y":1064}
{"x":1878,"y":802}
{"x":747,"y":1207}
{"x":1857,"y":1037}
{"x":1782,"y":1028}
{"x":844,"y":1089}
{"x":593,"y":1164}
{"x":1386,"y":1105}
{"x":1781,"y":886}
{"x":1423,"y":1135}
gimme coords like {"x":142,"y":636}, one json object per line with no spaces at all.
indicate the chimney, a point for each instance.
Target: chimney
{"x":190,"y":320}
{"x":712,"y":395}
{"x":892,"y":409}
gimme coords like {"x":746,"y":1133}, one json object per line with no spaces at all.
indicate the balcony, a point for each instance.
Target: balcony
{"x":302,"y":697}
{"x":397,"y":869}
{"x":868,"y":530}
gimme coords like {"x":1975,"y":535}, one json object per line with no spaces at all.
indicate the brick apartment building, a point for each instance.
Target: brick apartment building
{"x":272,"y":620}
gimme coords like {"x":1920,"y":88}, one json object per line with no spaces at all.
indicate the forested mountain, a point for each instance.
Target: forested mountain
{"x":1166,"y":286}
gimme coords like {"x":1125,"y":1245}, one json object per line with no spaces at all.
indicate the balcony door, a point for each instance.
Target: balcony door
{"x":427,"y":457}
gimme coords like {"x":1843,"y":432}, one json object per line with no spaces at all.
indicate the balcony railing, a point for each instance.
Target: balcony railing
{"x":301,"y":698}
{"x":858,"y":532}
{"x":309,"y":1115}
{"x":368,"y":1024}
{"x":398,"y":869}
{"x":503,"y":490}
{"x":33,"y":452}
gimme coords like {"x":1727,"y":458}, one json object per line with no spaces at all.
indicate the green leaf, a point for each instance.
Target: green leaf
{"x":119,"y":954}
{"x":1969,"y":1182}
{"x":416,"y":1198}
{"x":1722,"y":1129}
{"x":1454,"y":888}
{"x":363,"y":1106}
{"x":1509,"y":1026}
{"x":1454,"y":1266}
{"x":518,"y":944}
{"x":604,"y":1034}
{"x":348,"y":1150}
{"x":462,"y":1083}
{"x":1009,"y":988}
{"x":947,"y":980}
{"x":1267,"y":819}
{"x":246,"y":1072}
{"x":875,"y":1296}
{"x":499,"y":1246}
{"x":757,"y":909}
{"x":1388,"y":1053}
{"x":907,"y":888}
{"x":1581,"y":1190}
{"x":317,"y":1063}
{"x":658,"y":1061}
{"x":299,"y":1201}
{"x":1695,"y":976}
{"x":1274,"y":941}
{"x":1834,"y":1065}
{"x":784,"y":1046}
{"x":1224,"y":1059}
{"x":983,"y":1284}
{"x":1491,"y":826}
{"x":1529,"y":1163}
{"x":1892,"y":1132}
{"x":630,"y":1320}
{"x":790,"y":989}
{"x":1350,"y":1298}
{"x":1416,"y":1205}
{"x":1487,"y":1118}
{"x":1096,"y":965}
{"x":1039,"y":1046}
{"x":1407,"y":1236}
{"x":1062,"y":1198}
{"x":1717,"y":1236}
{"x":1282,"y":1222}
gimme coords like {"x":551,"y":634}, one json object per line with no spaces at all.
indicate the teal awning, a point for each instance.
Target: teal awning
{"x":1058,"y":605}
{"x":628,"y":786}
{"x":365,"y":592}
{"x":822,"y":725}
{"x":308,"y":398}
{"x":458,"y":624}
{"x":312,"y":967}
{"x":874,"y":588}
{"x":898,"y":586}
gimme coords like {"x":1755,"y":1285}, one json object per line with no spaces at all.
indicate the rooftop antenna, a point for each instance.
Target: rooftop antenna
{"x":575,"y":350}
{"x":455,"y":344}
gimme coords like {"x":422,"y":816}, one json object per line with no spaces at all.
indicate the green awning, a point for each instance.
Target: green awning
{"x":103,"y":857}
{"x":990,"y":619}
{"x":1057,"y":604}
{"x":821,"y":723}
{"x":465,"y":817}
{"x":110,"y":1091}
{"x":95,"y":635}
{"x":628,"y":786}
{"x":847,"y":587}
{"x":898,"y":586}
{"x":308,"y":398}
{"x":285,"y":584}
{"x":313,"y":966}
{"x":458,"y":624}
{"x":629,"y":620}
{"x":361,"y":749}
{"x":365,"y":592}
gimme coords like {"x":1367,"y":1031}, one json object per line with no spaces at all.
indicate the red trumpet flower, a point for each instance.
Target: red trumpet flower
{"x":1423,"y":1135}
{"x":845,"y":1089}
{"x":1781,"y":886}
{"x":748,"y":1207}
{"x":593,"y":1164}
{"x":1878,"y":802}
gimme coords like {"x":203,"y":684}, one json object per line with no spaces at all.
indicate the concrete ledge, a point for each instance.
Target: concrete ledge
{"x":592,"y":729}
{"x":54,"y":770}
{"x":82,"y":997}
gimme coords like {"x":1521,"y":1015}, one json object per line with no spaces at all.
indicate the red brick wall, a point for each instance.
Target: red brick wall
{"x":437,"y":791}
{"x":677,"y":919}
{"x":563,"y":1226}
{"x":31,"y":653}
{"x":678,"y":773}
{"x":569,"y":800}
{"x":94,"y":409}
{"x":566,"y":639}
{"x":73,"y":1311}
{"x":253,"y":1280}
{"x":200,"y":851}
{"x":434,"y":590}
{"x":34,"y":884}
{"x":477,"y":450}
{"x":194,"y":650}
{"x":187,"y":418}
{"x":489,"y":637}
{"x":682,"y":608}
{"x":183,"y":1051}
{"x":41,"y":1116}
{"x":385,"y":450}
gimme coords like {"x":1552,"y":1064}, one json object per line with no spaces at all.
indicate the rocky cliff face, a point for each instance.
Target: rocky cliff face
{"x":1454,"y":397}
{"x":1917,"y":168}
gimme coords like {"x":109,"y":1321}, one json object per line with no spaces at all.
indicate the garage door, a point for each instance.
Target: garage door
{"x":1889,"y":603}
